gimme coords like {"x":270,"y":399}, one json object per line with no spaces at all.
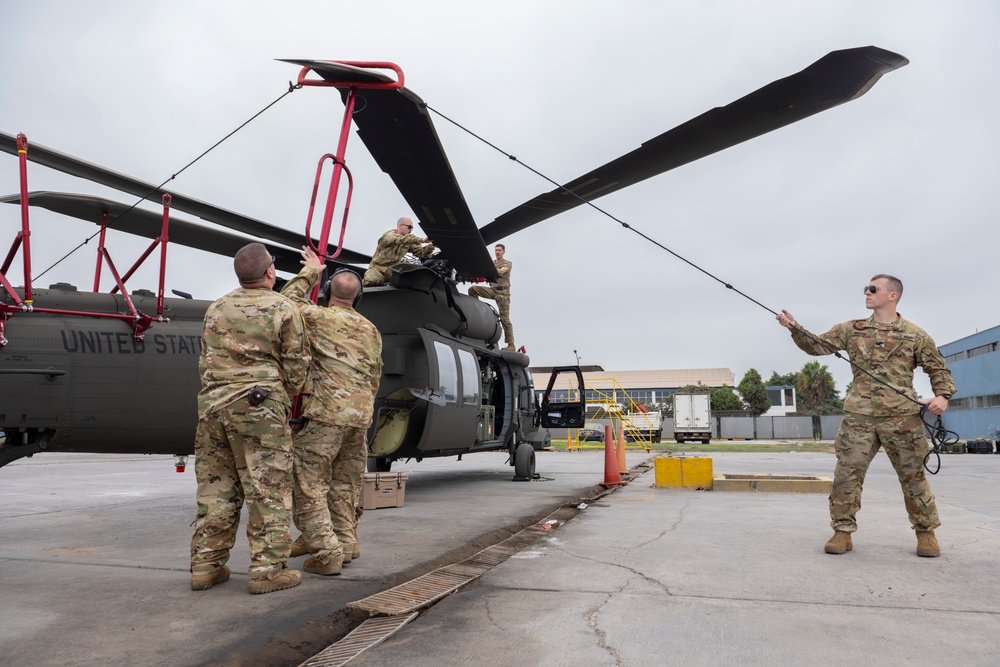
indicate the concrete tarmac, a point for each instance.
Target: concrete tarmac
{"x":94,"y":557}
{"x":656,"y":576}
{"x":94,"y":569}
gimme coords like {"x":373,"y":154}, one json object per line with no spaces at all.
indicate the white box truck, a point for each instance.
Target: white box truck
{"x":693,"y":417}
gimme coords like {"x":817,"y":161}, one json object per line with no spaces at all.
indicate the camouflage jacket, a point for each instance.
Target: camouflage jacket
{"x":393,"y":245}
{"x":251,"y":337}
{"x":346,"y":358}
{"x":504,"y":281}
{"x":890,"y":352}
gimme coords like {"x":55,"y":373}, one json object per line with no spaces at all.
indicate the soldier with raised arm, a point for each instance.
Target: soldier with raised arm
{"x":884,"y":412}
{"x":331,"y":448}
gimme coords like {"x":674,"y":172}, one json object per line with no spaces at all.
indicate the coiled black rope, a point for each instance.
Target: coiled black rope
{"x":291,"y":88}
{"x":936,"y":432}
{"x":939,"y":436}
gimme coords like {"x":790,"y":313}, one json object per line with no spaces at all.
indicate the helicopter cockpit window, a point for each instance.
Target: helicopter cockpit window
{"x":470,"y":377}
{"x":447,"y":372}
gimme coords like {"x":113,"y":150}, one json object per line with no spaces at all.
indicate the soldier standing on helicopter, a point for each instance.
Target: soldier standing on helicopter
{"x":392,"y":246}
{"x":499,"y":292}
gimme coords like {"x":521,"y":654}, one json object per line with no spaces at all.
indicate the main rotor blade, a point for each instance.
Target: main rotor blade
{"x":834,"y":79}
{"x":214,"y":214}
{"x":399,"y":134}
{"x":149,"y":225}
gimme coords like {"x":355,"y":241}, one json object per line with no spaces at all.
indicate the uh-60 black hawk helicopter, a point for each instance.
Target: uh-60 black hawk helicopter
{"x":117,"y":373}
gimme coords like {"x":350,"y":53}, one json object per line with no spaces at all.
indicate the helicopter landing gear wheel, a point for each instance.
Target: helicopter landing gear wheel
{"x":378,"y":465}
{"x":524,"y":462}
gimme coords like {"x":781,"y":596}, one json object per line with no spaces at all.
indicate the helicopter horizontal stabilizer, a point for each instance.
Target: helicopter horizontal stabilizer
{"x":149,"y":225}
{"x":396,"y":128}
{"x":256,"y":228}
{"x":834,"y":79}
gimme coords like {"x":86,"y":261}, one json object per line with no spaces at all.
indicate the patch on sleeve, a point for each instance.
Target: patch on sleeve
{"x":860,"y":325}
{"x":835,"y":327}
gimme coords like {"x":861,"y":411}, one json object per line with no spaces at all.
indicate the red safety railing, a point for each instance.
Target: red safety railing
{"x":139,"y":321}
{"x":339,"y":165}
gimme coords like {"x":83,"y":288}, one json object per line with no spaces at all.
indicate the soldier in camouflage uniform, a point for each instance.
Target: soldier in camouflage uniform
{"x":331,"y":449}
{"x":392,"y":246}
{"x":877,"y":414}
{"x":499,"y":292}
{"x":254,"y":358}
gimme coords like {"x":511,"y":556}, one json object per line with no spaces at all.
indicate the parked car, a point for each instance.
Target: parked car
{"x":592,"y":434}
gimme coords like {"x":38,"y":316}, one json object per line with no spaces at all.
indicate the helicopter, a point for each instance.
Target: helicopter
{"x":99,"y":372}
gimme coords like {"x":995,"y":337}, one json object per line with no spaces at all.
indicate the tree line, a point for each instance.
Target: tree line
{"x":816,"y":393}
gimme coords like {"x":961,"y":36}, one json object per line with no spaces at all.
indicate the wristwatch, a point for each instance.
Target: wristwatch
{"x":946,"y":396}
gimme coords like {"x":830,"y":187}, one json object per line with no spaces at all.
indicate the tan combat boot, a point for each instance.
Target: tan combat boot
{"x":299,"y":547}
{"x":286,"y":579}
{"x":328,"y":569}
{"x":839,"y":543}
{"x":927,"y":544}
{"x":202,"y":582}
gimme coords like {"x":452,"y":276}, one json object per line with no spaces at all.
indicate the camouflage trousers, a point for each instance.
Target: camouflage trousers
{"x":905,"y":443}
{"x":243,"y":453}
{"x":375,"y":276}
{"x":329,"y":470}
{"x":502,"y":297}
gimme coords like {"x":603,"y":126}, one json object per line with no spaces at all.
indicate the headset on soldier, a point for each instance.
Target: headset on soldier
{"x":325,"y":289}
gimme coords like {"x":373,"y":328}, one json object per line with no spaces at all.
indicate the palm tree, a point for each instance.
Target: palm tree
{"x":815,"y":386}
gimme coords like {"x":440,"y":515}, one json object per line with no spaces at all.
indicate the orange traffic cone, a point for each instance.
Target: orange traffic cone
{"x":622,"y":466}
{"x":611,"y":474}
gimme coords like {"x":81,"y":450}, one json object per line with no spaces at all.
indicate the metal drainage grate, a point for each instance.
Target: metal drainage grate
{"x":371,"y":633}
{"x":412,"y":595}
{"x":407,"y":598}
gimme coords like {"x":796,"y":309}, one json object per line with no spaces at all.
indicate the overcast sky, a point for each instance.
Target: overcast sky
{"x":901,"y":181}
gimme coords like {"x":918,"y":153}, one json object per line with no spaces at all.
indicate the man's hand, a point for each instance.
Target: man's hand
{"x":786,"y":320}
{"x":309,"y":258}
{"x":936,"y":405}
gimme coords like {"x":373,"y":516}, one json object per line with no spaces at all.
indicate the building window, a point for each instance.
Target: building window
{"x":982,"y":349}
{"x":958,"y":356}
{"x":958,"y":404}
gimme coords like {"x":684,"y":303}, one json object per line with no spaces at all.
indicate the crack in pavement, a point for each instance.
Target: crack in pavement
{"x":602,"y":637}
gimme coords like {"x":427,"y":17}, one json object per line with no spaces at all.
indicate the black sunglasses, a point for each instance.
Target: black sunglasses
{"x":874,"y":288}
{"x":273,"y":260}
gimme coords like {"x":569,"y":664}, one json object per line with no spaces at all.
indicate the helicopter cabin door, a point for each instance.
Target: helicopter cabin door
{"x":455,"y":401}
{"x":564,"y":407}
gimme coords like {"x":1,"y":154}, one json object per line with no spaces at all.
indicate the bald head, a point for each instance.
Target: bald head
{"x":404,"y":226}
{"x":252,"y":264}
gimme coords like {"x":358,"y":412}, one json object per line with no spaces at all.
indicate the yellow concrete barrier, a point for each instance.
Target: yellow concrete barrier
{"x":668,"y":471}
{"x":694,"y":472}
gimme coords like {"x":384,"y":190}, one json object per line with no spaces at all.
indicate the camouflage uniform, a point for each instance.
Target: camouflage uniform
{"x":878,"y":416}
{"x":331,"y":449}
{"x":392,"y":246}
{"x":252,"y":337}
{"x":499,"y":292}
